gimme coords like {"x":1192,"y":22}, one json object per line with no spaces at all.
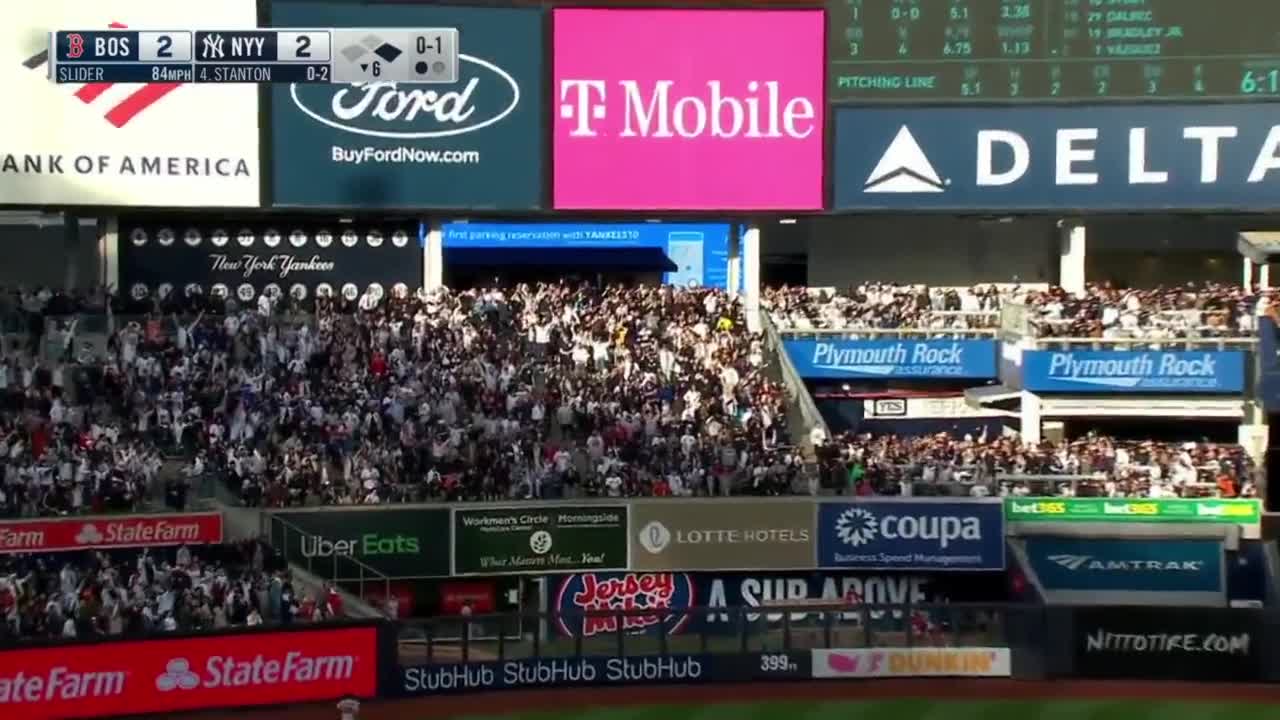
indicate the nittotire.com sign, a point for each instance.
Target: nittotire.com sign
{"x":164,"y":676}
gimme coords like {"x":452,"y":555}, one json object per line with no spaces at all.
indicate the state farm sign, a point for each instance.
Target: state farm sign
{"x":162,"y":676}
{"x":26,"y":536}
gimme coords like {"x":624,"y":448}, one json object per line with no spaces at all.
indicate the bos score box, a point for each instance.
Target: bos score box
{"x":346,"y":55}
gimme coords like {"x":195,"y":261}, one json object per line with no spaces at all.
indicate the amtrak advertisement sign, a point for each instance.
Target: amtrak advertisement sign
{"x":943,"y":359}
{"x":477,"y":143}
{"x":911,"y":535}
{"x":1126,"y":371}
{"x":1148,"y":157}
{"x":1126,"y":565}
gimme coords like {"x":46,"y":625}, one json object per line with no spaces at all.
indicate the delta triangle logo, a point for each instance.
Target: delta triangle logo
{"x":904,"y":168}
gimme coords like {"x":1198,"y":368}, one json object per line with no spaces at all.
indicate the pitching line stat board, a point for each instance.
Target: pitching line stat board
{"x":336,"y":55}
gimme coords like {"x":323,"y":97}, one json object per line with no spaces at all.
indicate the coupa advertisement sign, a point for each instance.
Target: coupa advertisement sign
{"x":590,"y":604}
{"x":1126,"y":565}
{"x":1128,"y":371}
{"x":699,"y":123}
{"x":942,"y":359}
{"x":166,"y":676}
{"x":911,"y":535}
{"x":397,"y":543}
{"x":699,"y":252}
{"x":474,"y":144}
{"x":1026,"y":158}
{"x":123,"y":144}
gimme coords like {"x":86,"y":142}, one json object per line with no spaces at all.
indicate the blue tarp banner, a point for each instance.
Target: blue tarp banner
{"x":1129,"y":371}
{"x":1126,"y":565}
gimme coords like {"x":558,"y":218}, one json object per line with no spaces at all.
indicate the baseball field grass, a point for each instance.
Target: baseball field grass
{"x":922,"y":709}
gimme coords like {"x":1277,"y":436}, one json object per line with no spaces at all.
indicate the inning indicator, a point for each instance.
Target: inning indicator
{"x":345,"y":55}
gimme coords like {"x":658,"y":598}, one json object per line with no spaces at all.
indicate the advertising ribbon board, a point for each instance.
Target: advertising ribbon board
{"x":911,"y":535}
{"x":699,"y":251}
{"x":241,"y":260}
{"x":169,"y":676}
{"x":525,"y":539}
{"x":158,"y":144}
{"x":475,"y":144}
{"x":870,"y":359}
{"x":1124,"y":158}
{"x":1147,"y":510}
{"x":732,"y":535}
{"x":1149,"y":565}
{"x":101,"y":533}
{"x":395,"y":542}
{"x":702,"y":125}
{"x":1102,"y":372}
{"x":912,"y":662}
{"x":1155,"y":643}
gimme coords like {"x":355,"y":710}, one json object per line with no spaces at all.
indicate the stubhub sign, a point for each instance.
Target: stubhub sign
{"x":1028,"y":158}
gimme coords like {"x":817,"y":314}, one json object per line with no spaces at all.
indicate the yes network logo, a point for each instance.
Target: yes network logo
{"x":595,"y":603}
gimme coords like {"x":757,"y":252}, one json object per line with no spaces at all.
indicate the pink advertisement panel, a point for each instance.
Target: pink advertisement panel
{"x":688,"y":109}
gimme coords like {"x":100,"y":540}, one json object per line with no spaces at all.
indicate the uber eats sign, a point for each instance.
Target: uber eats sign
{"x":397,"y":543}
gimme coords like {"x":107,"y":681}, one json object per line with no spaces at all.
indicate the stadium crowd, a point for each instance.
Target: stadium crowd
{"x":135,"y":592}
{"x":1102,"y":311}
{"x":546,"y":390}
{"x":944,"y":464}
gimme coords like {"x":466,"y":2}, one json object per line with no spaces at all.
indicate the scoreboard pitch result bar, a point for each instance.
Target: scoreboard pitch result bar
{"x":336,"y":55}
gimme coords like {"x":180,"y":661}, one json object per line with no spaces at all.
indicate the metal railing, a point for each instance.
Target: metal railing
{"x":893,"y":334}
{"x":796,"y":388}
{"x":334,"y":567}
{"x":1246,"y":344}
{"x":793,"y":625}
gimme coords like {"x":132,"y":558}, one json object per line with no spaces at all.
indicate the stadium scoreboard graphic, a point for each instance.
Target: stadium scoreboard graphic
{"x":342,"y":55}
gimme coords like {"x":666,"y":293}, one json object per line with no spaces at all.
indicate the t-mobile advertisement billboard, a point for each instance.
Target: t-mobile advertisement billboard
{"x":679,"y":110}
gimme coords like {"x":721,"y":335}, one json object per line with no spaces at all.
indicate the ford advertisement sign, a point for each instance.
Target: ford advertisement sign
{"x":911,"y":535}
{"x":1127,"y":371}
{"x":1063,"y":563}
{"x":844,"y":359}
{"x":1148,"y":157}
{"x":477,"y":143}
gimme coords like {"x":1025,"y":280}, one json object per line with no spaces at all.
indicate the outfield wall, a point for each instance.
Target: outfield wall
{"x":163,"y":675}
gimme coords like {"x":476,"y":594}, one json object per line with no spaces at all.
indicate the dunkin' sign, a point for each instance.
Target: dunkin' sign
{"x":165,"y":676}
{"x":688,"y":109}
{"x":100,"y":533}
{"x":599,"y":603}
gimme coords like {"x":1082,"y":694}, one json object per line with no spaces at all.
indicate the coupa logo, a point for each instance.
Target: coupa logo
{"x":127,"y":108}
{"x":860,"y":525}
{"x":614,"y":592}
{"x":487,"y":94}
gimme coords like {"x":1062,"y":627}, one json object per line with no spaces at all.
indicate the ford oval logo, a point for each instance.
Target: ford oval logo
{"x":383,"y":109}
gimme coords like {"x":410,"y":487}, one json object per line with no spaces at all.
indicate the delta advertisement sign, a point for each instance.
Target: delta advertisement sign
{"x":166,"y":676}
{"x":1117,"y":158}
{"x":675,"y":110}
{"x":844,"y":359}
{"x":100,"y":533}
{"x":1128,"y":371}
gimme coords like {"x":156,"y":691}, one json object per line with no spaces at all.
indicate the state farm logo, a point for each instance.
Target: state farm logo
{"x":227,"y":671}
{"x":759,"y":111}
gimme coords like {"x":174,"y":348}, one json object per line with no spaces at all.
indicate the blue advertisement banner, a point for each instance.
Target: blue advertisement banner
{"x":475,"y":144}
{"x":1269,"y":364}
{"x":1126,"y":565}
{"x":700,"y":251}
{"x":843,"y":359}
{"x":1129,"y":371}
{"x":557,"y":672}
{"x":1113,"y":157}
{"x":911,"y":535}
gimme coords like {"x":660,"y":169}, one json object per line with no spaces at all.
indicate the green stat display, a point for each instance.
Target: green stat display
{"x":933,"y":51}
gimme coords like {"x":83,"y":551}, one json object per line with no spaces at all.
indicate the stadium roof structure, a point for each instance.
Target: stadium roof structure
{"x":1260,"y":247}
